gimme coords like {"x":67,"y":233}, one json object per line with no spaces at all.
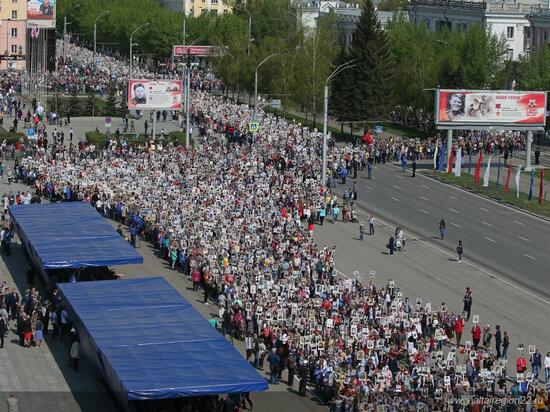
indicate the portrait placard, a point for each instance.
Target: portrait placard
{"x":475,"y":319}
{"x":532,"y":349}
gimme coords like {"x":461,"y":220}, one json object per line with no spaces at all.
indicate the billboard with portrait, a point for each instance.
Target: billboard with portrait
{"x":153,"y":94}
{"x":41,"y":9}
{"x":475,"y":108}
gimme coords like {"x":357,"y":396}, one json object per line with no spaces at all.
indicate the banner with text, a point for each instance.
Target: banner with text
{"x":152,"y":94}
{"x":179,"y":51}
{"x":473,"y":108}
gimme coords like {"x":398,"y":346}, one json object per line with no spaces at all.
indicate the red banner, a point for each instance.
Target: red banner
{"x":193,"y":51}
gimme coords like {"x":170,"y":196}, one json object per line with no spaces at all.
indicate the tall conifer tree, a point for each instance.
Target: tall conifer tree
{"x":363,"y":92}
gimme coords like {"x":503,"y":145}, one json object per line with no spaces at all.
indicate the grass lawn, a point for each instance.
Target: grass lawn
{"x":399,"y":129}
{"x":492,"y":192}
{"x":537,"y":174}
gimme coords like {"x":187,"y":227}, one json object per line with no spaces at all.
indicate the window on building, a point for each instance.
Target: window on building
{"x":14,"y":48}
{"x":14,"y":32}
{"x":225,"y":11}
{"x":14,"y":1}
{"x":214,"y":2}
{"x":14,"y":14}
{"x":510,"y":54}
{"x":544,"y":36}
{"x":509,"y":32}
{"x":204,"y":11}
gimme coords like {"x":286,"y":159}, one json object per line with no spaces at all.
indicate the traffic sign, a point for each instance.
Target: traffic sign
{"x":253,"y":126}
{"x":379,"y":129}
{"x":108,"y":125}
{"x":31,"y":133}
{"x":107,"y":120}
{"x":276,"y":103}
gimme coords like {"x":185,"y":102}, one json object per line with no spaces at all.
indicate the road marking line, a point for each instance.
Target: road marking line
{"x":424,"y":198}
{"x":454,"y":224}
{"x":491,"y":240}
{"x":427,"y":187}
{"x":397,"y":187}
{"x":423,"y":211}
{"x":519,"y":223}
{"x":522,"y":238}
{"x":529,"y":256}
{"x":485,"y":210}
{"x":485,"y":223}
{"x":396,"y":199}
{"x":491,"y":274}
{"x":453,"y":210}
{"x":453,"y":197}
{"x":400,"y":177}
{"x":369,"y":188}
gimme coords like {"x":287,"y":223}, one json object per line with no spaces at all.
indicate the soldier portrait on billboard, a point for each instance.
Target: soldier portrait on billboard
{"x":455,"y":106}
{"x":138,"y":94}
{"x":46,"y":8}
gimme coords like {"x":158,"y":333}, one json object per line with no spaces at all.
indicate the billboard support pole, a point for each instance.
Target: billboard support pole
{"x":449,"y":146}
{"x":528,"y":167}
{"x":154,"y":124}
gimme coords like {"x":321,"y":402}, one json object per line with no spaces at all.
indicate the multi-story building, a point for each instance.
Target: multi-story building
{"x":505,"y":18}
{"x":194,"y":8}
{"x":13,"y":27}
{"x":347,"y":14}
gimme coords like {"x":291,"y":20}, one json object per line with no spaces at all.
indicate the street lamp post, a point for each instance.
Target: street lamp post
{"x":188,"y":90}
{"x":450,"y":131}
{"x":339,"y":69}
{"x":249,"y":27}
{"x":132,"y":46}
{"x":256,"y":81}
{"x":65,"y":30}
{"x":95,"y":31}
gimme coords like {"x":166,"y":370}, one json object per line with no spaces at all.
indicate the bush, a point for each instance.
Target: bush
{"x":13,"y":137}
{"x":175,"y":137}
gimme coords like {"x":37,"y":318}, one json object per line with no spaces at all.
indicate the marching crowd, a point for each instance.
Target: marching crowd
{"x":236,"y":214}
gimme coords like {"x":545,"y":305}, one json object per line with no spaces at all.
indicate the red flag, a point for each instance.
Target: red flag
{"x":368,"y":138}
{"x":451,"y":157}
{"x":508,"y":179}
{"x":541,"y":180}
{"x":476,"y":175}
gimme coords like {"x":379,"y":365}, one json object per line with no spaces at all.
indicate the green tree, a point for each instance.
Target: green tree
{"x":111,"y":108}
{"x":366,"y":86}
{"x":314,"y":64}
{"x":74,"y":103}
{"x":413,"y":52}
{"x":534,"y":70}
{"x":90,"y":102}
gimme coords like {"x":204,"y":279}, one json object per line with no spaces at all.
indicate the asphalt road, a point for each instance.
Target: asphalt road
{"x":503,"y":239}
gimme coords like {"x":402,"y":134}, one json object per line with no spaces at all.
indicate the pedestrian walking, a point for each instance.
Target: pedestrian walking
{"x":76,"y":354}
{"x":391,"y":244}
{"x":442,"y":228}
{"x":273,"y":359}
{"x":369,"y":170}
{"x":414,"y":167}
{"x":468,"y":300}
{"x":460,"y":250}
{"x":303,"y":371}
{"x":12,"y":403}
{"x":371,"y":225}
{"x":361,"y":230}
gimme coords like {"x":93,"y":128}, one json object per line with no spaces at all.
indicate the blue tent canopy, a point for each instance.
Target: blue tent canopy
{"x":148,"y":342}
{"x":70,"y":235}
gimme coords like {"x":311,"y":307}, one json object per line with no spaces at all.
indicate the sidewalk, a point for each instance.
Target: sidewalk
{"x":39,"y":376}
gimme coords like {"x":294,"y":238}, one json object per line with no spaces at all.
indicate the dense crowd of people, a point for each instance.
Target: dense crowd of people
{"x":236,"y":215}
